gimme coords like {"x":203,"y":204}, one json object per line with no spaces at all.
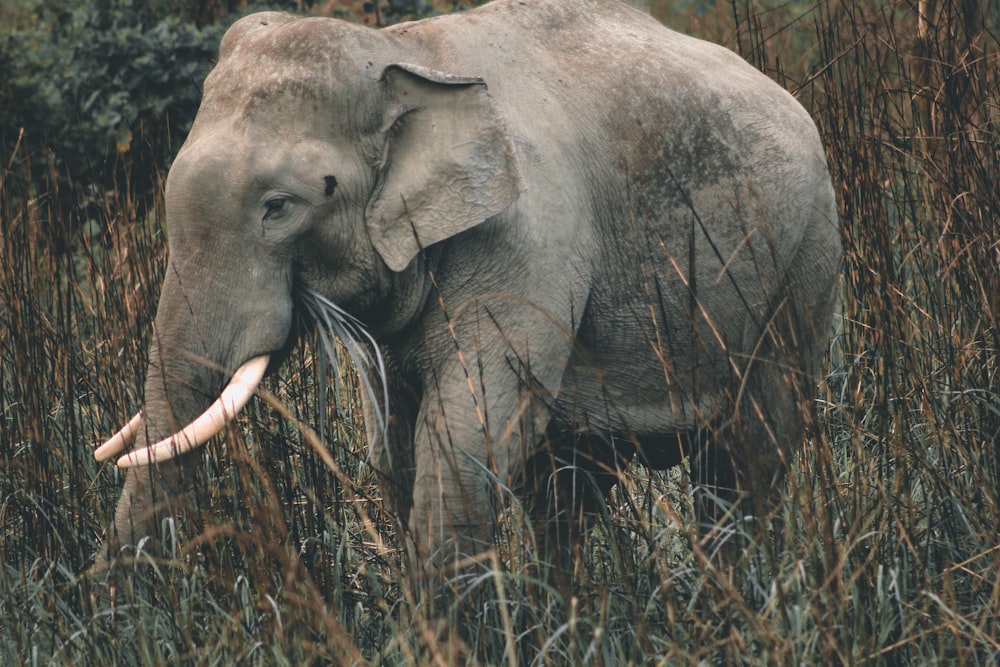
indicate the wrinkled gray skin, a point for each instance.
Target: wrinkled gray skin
{"x":579,"y":237}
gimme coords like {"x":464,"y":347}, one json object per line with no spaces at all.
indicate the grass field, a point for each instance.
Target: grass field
{"x":891,"y":546}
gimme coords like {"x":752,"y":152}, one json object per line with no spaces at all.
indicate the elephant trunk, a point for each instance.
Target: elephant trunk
{"x":187,"y":373}
{"x":177,"y":389}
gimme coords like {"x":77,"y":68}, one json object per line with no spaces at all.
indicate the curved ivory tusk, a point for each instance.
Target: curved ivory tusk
{"x":236,"y":394}
{"x":120,"y":440}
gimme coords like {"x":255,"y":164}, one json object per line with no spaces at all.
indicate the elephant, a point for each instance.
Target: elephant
{"x":570,"y":238}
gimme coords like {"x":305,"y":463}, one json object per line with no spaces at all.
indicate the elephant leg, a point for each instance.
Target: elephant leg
{"x":739,"y":463}
{"x":472,"y":436}
{"x":454,"y":504}
{"x":495,"y":368}
{"x":736,"y":472}
{"x":566,"y":485}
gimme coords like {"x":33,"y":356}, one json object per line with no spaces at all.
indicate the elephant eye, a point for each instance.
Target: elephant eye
{"x":275,"y":207}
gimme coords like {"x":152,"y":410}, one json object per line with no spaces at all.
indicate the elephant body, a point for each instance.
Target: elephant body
{"x":578,"y":236}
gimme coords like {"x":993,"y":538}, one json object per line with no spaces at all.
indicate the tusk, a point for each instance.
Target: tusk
{"x":236,"y":394}
{"x":120,"y":440}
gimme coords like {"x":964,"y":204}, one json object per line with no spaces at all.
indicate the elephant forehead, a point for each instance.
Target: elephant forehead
{"x":246,"y":87}
{"x":292,"y":40}
{"x":292,"y":61}
{"x":253,"y":160}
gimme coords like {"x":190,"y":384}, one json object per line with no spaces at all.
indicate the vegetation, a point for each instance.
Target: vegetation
{"x":890,"y":551}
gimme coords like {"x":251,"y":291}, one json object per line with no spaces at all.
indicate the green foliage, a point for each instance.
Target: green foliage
{"x":99,"y":84}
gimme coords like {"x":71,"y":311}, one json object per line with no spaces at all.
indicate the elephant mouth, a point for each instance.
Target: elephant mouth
{"x":242,"y":386}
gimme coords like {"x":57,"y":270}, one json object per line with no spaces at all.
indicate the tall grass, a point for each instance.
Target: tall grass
{"x":891,"y":549}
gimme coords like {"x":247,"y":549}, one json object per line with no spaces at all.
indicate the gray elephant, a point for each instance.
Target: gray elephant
{"x":578,"y":238}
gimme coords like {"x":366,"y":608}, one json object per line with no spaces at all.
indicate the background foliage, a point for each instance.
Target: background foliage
{"x":97,"y":91}
{"x":890,"y":552}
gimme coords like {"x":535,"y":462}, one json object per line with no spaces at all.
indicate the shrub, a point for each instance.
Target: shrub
{"x":99,"y":89}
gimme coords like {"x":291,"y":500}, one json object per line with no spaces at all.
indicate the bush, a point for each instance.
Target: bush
{"x":99,"y":90}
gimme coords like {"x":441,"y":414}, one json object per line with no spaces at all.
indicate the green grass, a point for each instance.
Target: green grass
{"x":890,"y":552}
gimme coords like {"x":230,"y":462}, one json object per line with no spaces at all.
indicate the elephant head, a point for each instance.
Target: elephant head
{"x":313,"y":174}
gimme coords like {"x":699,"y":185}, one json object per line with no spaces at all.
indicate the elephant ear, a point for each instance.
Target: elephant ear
{"x":447,"y":164}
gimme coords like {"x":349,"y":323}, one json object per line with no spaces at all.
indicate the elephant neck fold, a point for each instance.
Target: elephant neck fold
{"x":406,"y":298}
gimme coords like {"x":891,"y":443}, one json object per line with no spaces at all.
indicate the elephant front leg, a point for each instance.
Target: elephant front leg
{"x":454,"y":498}
{"x":468,"y":443}
{"x":494,"y":374}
